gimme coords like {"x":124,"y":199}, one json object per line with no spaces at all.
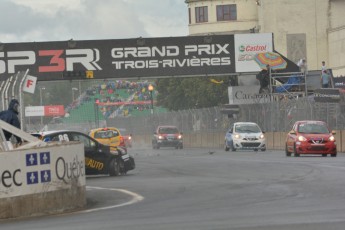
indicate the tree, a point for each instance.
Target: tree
{"x":194,"y":92}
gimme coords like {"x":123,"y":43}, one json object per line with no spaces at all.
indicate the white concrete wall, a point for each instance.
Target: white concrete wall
{"x":42,"y":180}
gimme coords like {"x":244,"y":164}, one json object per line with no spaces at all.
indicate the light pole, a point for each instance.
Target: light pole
{"x":41,"y":102}
{"x":150,"y":88}
{"x":73,"y":89}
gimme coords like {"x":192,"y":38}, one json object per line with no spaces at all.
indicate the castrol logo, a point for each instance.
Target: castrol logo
{"x":253,"y":48}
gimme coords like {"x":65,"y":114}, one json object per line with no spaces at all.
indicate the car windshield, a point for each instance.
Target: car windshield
{"x":317,"y":128}
{"x":247,"y":128}
{"x":106,"y":134}
{"x":168,"y":130}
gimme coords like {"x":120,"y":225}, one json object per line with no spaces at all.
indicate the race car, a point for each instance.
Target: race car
{"x":108,"y":136}
{"x":99,"y":158}
{"x":310,"y":137}
{"x":245,"y":136}
{"x":167,"y":136}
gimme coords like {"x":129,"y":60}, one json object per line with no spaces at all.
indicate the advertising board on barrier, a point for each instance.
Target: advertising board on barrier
{"x":44,"y":111}
{"x":327,"y":95}
{"x":41,"y":170}
{"x":239,"y":95}
{"x":339,"y":82}
{"x":138,"y":57}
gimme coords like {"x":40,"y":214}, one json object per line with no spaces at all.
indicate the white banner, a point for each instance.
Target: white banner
{"x":239,"y":95}
{"x":30,"y":84}
{"x":42,"y":170}
{"x":246,"y":46}
{"x":34,"y":111}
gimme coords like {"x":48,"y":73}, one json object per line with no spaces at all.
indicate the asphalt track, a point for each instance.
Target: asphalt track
{"x":210,"y":189}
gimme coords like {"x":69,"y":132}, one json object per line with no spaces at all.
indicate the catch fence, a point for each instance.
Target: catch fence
{"x":277,"y":116}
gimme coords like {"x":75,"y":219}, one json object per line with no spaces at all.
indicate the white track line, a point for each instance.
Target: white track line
{"x":135,"y":198}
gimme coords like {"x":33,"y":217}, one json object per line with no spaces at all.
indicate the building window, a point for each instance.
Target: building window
{"x":189,"y":16}
{"x":201,"y":14}
{"x":226,"y":12}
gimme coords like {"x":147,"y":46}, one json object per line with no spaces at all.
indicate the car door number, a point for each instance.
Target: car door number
{"x":63,"y":137}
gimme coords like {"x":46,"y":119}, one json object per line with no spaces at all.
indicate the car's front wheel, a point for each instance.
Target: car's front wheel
{"x":122,"y":168}
{"x":114,"y":168}
{"x":154,"y":145}
{"x":226,"y":147}
{"x":232,"y":147}
{"x":295,"y":151}
{"x":288,"y":154}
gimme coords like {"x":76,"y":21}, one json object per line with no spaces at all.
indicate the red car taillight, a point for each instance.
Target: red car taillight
{"x":122,"y":141}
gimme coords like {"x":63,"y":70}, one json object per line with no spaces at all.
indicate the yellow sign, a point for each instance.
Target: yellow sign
{"x":89,"y":74}
{"x":216,"y":82}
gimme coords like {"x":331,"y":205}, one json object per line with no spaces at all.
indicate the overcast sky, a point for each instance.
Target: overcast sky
{"x":59,"y":20}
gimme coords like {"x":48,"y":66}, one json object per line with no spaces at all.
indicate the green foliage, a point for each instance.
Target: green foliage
{"x":195,"y":92}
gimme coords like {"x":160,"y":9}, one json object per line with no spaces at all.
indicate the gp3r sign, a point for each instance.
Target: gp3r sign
{"x":138,"y":57}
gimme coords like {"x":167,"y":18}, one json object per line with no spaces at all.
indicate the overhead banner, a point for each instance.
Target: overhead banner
{"x":138,"y":57}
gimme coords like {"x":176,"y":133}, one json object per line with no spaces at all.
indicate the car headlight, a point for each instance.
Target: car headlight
{"x":331,"y":138}
{"x":160,"y":137}
{"x":237,"y":136}
{"x":129,"y":138}
{"x":179,"y":136}
{"x":262,"y":136}
{"x":302,"y":138}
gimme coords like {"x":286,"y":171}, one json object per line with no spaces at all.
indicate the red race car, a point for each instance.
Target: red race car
{"x":310,"y":137}
{"x":167,"y":136}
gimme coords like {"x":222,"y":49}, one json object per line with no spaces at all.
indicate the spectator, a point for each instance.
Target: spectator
{"x":264,"y":78}
{"x":323,"y":67}
{"x":303,"y":67}
{"x":325,"y":78}
{"x":11,"y":117}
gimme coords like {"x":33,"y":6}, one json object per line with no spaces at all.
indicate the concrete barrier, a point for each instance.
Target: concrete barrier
{"x":42,"y":180}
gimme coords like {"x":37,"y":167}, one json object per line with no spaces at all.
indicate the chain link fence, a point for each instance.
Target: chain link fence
{"x":277,"y":116}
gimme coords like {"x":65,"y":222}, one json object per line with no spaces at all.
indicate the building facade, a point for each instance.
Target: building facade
{"x":311,"y":29}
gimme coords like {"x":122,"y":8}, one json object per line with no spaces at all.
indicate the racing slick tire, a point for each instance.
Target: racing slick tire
{"x":295,"y":151}
{"x":226,"y":148}
{"x":122,"y":169}
{"x":287,"y":153}
{"x":233,"y":149}
{"x":114,"y":168}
